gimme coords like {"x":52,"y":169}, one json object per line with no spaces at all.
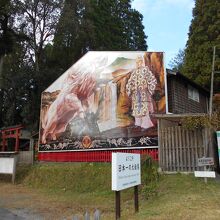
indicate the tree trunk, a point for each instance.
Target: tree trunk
{"x":1,"y":71}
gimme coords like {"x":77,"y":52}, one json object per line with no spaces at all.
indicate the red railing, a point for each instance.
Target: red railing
{"x":91,"y":156}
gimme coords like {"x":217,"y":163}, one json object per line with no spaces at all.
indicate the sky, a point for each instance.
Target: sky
{"x":166,"y":24}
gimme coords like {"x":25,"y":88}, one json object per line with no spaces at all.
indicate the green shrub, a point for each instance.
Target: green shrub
{"x":192,"y":122}
{"x":150,"y":177}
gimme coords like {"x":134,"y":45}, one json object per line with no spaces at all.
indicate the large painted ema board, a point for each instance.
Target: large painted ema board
{"x":104,"y":101}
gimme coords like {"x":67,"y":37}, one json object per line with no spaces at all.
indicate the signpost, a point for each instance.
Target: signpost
{"x":126,"y":173}
{"x":203,"y":162}
{"x":8,"y":162}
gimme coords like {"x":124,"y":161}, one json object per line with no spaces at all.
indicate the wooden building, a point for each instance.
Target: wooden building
{"x":184,"y":95}
{"x":180,"y":148}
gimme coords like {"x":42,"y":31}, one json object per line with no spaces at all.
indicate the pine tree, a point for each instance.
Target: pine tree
{"x":116,"y":26}
{"x":68,"y":37}
{"x":204,"y":33}
{"x":97,"y":25}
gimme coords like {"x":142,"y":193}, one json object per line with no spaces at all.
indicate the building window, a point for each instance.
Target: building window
{"x":193,"y":93}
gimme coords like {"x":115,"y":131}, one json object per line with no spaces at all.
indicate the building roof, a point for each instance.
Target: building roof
{"x":11,"y":127}
{"x":171,"y":73}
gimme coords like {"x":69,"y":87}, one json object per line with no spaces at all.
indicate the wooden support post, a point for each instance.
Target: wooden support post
{"x":17,"y":131}
{"x":136,"y":206}
{"x":117,"y":205}
{"x":3,"y":141}
{"x":205,"y":178}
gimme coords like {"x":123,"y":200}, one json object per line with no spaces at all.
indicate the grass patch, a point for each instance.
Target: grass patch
{"x":183,"y":196}
{"x":86,"y":186}
{"x":70,"y":177}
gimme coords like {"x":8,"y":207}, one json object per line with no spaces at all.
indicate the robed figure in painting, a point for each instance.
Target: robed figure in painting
{"x":140,"y":87}
{"x":105,"y":100}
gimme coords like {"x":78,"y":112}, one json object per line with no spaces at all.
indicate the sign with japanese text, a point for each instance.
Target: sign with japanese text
{"x":210,"y":174}
{"x":126,"y":170}
{"x":205,"y":161}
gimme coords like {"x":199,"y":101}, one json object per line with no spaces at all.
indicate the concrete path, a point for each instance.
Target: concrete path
{"x":19,"y":214}
{"x":7,"y":215}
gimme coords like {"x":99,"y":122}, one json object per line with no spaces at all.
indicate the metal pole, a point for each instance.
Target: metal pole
{"x":212,"y":80}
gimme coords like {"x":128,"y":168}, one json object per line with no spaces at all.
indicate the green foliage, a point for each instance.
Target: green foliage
{"x":20,"y":83}
{"x":176,"y":63}
{"x":199,"y":122}
{"x":150,"y":177}
{"x":37,"y":20}
{"x":116,"y":26}
{"x":49,"y":36}
{"x":97,"y":25}
{"x":14,"y":86}
{"x":6,"y":33}
{"x":204,"y":33}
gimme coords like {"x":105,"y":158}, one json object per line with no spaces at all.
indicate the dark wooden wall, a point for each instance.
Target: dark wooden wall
{"x":178,"y":101}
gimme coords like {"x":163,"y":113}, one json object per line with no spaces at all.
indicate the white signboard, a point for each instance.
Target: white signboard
{"x":218,"y":139}
{"x":7,"y":165}
{"x":210,"y":174}
{"x":126,"y":170}
{"x":205,"y":161}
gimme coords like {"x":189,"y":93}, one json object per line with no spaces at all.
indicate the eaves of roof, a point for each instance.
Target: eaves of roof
{"x":171,"y":73}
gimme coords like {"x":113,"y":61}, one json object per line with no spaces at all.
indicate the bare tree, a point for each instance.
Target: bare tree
{"x":38,"y":20}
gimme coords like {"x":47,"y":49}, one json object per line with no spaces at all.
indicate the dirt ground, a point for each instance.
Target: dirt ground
{"x":19,"y":202}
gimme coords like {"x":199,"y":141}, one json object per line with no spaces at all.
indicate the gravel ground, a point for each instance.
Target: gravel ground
{"x":5,"y":214}
{"x":18,"y":214}
{"x":18,"y":203}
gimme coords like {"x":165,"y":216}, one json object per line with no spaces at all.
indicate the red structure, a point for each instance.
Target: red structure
{"x":10,"y":132}
{"x":92,"y":156}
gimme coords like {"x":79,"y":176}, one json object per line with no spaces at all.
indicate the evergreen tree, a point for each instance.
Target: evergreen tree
{"x":68,"y":36}
{"x":10,"y":38}
{"x":37,"y":48}
{"x":23,"y":44}
{"x":8,"y":33}
{"x":16,"y":87}
{"x":204,"y":33}
{"x":116,"y":26}
{"x":176,"y":63}
{"x":97,"y":25}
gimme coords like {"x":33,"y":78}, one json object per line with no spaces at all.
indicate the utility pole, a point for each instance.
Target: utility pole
{"x":212,"y":81}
